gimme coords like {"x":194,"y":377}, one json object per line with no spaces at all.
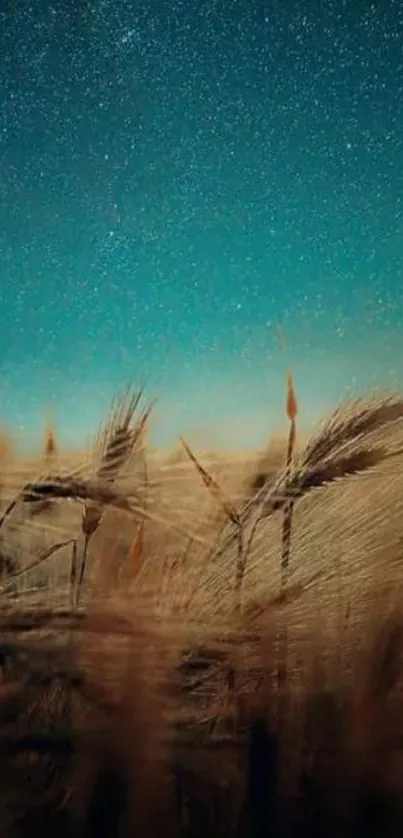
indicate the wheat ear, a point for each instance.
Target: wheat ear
{"x":118,"y":442}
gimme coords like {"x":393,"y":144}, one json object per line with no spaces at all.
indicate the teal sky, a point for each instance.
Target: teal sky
{"x":178,"y":180}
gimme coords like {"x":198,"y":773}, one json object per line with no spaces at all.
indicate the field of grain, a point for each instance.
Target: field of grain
{"x":201,"y":645}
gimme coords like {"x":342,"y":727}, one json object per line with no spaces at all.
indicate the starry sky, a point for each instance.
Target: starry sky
{"x":199,"y":192}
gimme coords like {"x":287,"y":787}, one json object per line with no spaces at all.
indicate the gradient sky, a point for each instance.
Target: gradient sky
{"x":178,"y":180}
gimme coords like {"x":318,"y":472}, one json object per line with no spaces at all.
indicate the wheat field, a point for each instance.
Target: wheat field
{"x":198,"y":645}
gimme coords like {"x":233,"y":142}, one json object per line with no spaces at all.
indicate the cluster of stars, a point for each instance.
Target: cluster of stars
{"x":191,"y":176}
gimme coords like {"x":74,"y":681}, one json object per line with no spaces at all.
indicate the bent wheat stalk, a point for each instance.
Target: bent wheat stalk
{"x":72,"y":488}
{"x":353,"y":420}
{"x":352,"y":441}
{"x":211,"y":484}
{"x":46,"y":554}
{"x":349,"y":429}
{"x":232,"y":514}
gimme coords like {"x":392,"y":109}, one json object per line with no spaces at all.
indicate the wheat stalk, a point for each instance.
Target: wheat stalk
{"x":353,"y":420}
{"x":306,"y":478}
{"x":291,"y":409}
{"x":73,"y":488}
{"x":352,"y":441}
{"x":120,"y":438}
{"x":214,"y":488}
{"x":117,"y":443}
{"x":344,"y":451}
{"x":336,"y":449}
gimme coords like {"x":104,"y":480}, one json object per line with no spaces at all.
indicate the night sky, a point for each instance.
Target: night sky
{"x":181,"y":184}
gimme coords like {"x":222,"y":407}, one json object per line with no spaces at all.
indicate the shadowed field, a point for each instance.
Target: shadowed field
{"x":198,"y":645}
